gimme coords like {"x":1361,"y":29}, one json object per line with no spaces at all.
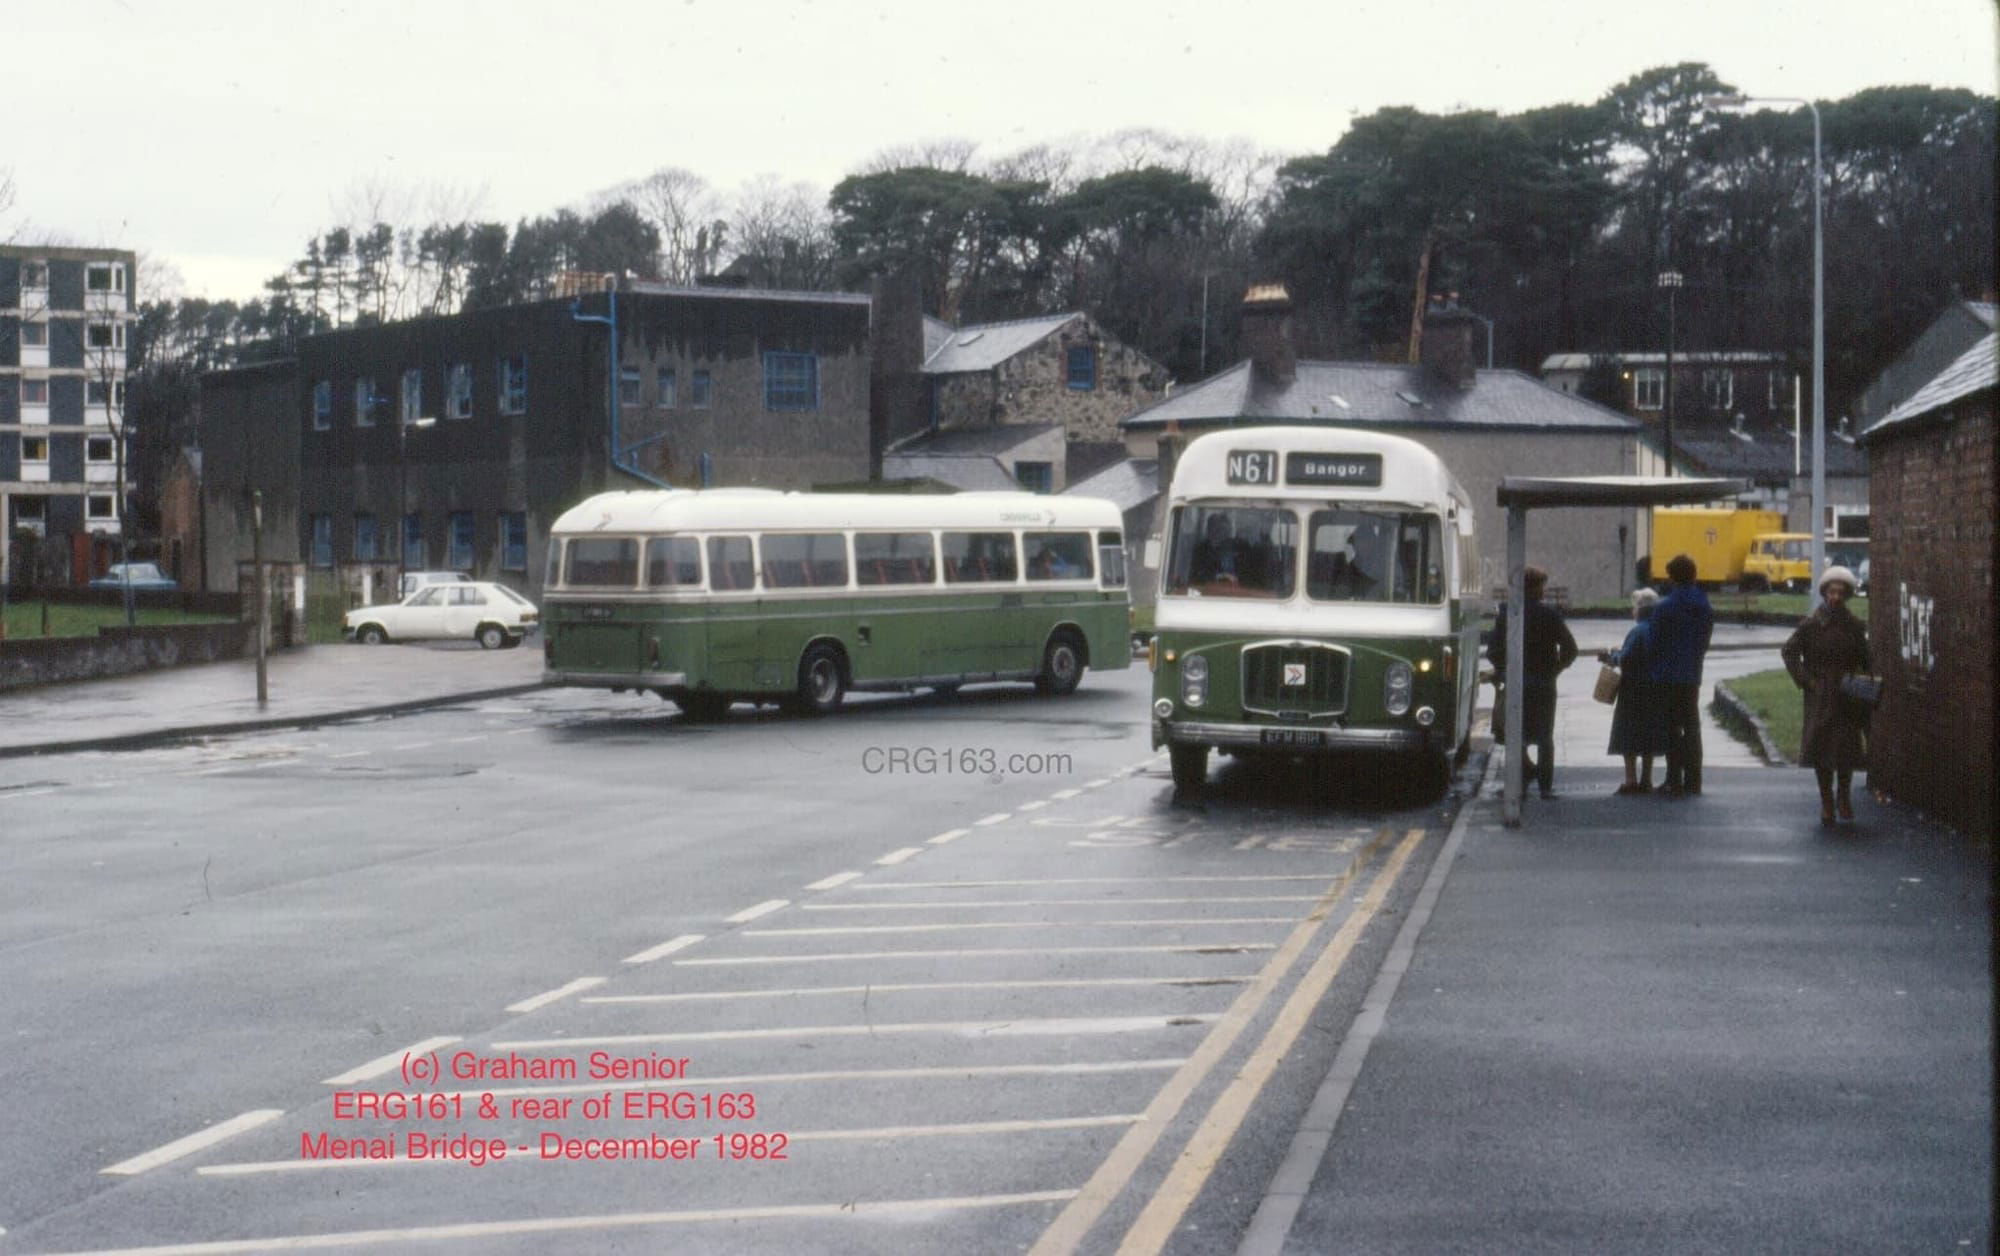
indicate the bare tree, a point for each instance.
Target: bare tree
{"x":685,"y":210}
{"x":786,"y":228}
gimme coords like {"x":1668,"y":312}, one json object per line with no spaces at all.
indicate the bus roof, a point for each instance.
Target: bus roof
{"x":749,"y":509}
{"x":1332,"y":462}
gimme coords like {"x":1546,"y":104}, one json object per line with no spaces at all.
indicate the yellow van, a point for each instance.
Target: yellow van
{"x":1778,"y":560}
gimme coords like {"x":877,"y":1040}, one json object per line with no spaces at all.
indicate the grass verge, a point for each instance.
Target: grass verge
{"x":25,"y":619}
{"x":1775,"y":700}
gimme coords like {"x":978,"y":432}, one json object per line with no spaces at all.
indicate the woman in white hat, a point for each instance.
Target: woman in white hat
{"x":1829,"y":644}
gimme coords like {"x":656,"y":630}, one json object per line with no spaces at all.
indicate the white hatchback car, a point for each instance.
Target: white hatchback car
{"x":492,"y":614}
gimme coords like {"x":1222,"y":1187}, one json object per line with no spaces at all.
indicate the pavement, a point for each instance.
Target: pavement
{"x":1633,"y":1024}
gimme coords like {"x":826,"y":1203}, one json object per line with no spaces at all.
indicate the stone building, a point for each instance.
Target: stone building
{"x":1484,"y":423}
{"x":1932,"y":477}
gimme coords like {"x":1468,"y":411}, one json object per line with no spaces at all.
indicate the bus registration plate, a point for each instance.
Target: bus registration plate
{"x":1294,"y":737}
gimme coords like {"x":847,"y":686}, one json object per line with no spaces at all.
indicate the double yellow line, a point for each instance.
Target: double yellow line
{"x":1197,"y":1160}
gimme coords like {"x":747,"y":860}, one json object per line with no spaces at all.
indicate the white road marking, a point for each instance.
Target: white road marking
{"x":1037,"y":805}
{"x":1023,"y":1027}
{"x":1064,"y":794}
{"x":925,"y":1073}
{"x":1098,"y":783}
{"x":26,"y":793}
{"x":452,"y":741}
{"x":665,"y":949}
{"x":946,"y":905}
{"x":246,"y":765}
{"x":898,"y":856}
{"x":560,"y":992}
{"x":1183,"y":948}
{"x":518,"y":732}
{"x":602,"y":1221}
{"x":997,"y":817}
{"x":837,"y":879}
{"x":764,"y":908}
{"x":388,"y":1063}
{"x":947,"y":927}
{"x":962,"y":885}
{"x":415,"y":745}
{"x":1058,"y":983}
{"x":349,"y":754}
{"x":194,"y":1142}
{"x":949,"y":835}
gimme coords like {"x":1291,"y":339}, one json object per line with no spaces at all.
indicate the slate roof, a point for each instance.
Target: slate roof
{"x":983,"y":346}
{"x":1130,"y":483}
{"x":977,"y":440}
{"x":1975,"y":370}
{"x":968,"y":472}
{"x":1986,"y":312}
{"x":1368,"y":393}
{"x":1734,"y":357}
{"x":1766,"y":458}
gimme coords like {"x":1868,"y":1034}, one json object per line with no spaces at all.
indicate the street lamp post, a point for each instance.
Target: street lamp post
{"x":403,"y":495}
{"x":1814,"y":524}
{"x":1671,"y":280}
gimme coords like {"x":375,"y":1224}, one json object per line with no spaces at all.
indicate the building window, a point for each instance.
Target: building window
{"x":104,"y":277}
{"x":322,"y":405}
{"x":458,"y":402}
{"x":96,"y":392}
{"x":105,"y":335}
{"x":1719,"y":386}
{"x":31,"y":513}
{"x":99,"y":449}
{"x":34,"y":392}
{"x":1777,"y":392}
{"x":413,"y":540}
{"x":322,"y":541}
{"x":791,"y":381}
{"x":34,"y":449}
{"x":34,"y":335}
{"x":364,"y":538}
{"x":701,"y":391}
{"x":628,"y":387}
{"x":413,"y":395}
{"x":100,"y":507}
{"x":1082,"y":373}
{"x":460,"y":556}
{"x":1649,"y":388}
{"x":665,"y":379}
{"x":364,"y":401}
{"x":34,"y":274}
{"x":1036,"y":477}
{"x":513,"y":540}
{"x":514,"y":385}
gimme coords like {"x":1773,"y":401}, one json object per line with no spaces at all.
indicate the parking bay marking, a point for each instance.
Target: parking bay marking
{"x":1179,"y":948}
{"x":193,"y":1142}
{"x":550,"y":996}
{"x":956,"y":925}
{"x":1053,"y":983}
{"x":1019,"y":1027}
{"x":945,"y":905}
{"x":665,"y":949}
{"x":383,"y":1064}
{"x":966,"y":1072}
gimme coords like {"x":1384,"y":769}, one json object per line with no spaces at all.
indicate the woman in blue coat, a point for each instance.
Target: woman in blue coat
{"x":1638,"y":725}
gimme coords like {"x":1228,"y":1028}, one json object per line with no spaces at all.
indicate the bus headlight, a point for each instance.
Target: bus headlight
{"x":1396,"y":685}
{"x":1194,"y":679}
{"x":1195,"y":667}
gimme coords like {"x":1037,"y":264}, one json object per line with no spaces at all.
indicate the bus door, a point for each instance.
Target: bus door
{"x":732,"y":613}
{"x":988,"y":633}
{"x":899,"y":619}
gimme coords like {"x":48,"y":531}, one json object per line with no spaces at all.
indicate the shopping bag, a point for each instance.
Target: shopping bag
{"x":1607,"y":684}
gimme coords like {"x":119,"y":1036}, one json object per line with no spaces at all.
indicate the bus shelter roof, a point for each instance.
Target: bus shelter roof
{"x":1530,"y":491}
{"x":1519,"y":495}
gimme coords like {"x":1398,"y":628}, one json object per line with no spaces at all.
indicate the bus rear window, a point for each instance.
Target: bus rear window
{"x":673,"y":560}
{"x":814,"y":560}
{"x":1111,"y":559}
{"x":602,"y":562}
{"x":979,"y":557}
{"x":894,"y":558}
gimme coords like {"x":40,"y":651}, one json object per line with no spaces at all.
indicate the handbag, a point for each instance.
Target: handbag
{"x":1607,"y":684}
{"x":1859,"y":694}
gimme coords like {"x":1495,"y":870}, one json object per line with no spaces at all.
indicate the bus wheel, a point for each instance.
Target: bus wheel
{"x":821,"y":686}
{"x":1190,"y":766}
{"x":1062,"y":666}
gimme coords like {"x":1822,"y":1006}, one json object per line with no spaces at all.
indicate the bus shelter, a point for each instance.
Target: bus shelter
{"x":1518,"y":496}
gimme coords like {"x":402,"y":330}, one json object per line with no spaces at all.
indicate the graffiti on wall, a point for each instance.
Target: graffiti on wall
{"x":1913,"y":619}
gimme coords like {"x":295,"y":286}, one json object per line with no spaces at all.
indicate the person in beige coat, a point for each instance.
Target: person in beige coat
{"x":1829,"y":644}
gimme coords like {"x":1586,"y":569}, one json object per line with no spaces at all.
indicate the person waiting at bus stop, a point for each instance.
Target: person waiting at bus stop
{"x":1829,"y":644}
{"x":1547,"y":648}
{"x":1683,"y":622}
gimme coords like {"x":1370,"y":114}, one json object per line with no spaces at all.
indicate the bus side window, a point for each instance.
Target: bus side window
{"x":894,"y":558}
{"x":1111,"y":559}
{"x":729,"y":563}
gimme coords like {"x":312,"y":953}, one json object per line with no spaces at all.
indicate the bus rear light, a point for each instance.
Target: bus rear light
{"x":1450,"y":663}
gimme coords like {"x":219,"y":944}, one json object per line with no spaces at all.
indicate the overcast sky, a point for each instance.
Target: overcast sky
{"x":221,"y":134}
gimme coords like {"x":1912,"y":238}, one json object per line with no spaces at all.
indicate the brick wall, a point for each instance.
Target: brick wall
{"x":1931,"y":603}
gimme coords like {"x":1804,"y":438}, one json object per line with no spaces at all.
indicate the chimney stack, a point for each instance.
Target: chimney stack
{"x":1447,"y":349}
{"x":1267,"y":333}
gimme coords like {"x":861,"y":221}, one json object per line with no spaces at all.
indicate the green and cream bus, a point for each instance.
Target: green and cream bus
{"x":714,"y":596}
{"x":1319,"y":593}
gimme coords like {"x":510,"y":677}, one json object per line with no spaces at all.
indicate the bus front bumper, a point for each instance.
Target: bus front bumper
{"x":1286,"y":739}
{"x":615,"y":680}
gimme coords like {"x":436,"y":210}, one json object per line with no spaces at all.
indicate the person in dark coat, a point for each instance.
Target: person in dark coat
{"x":1638,"y":727}
{"x":1683,"y":622}
{"x":1829,"y":644}
{"x":1549,"y":648}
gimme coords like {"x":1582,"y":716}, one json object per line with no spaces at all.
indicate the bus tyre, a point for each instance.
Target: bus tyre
{"x":1062,"y":665}
{"x":1190,"y":766}
{"x":491,"y":636}
{"x":821,"y":684}
{"x":371,"y":634}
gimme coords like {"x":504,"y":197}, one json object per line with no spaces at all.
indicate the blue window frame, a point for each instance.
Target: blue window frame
{"x":1036,"y":477}
{"x":458,"y":399}
{"x":791,"y":381}
{"x":462,"y":533}
{"x":629,"y":393}
{"x":513,"y":540}
{"x":364,"y":401}
{"x":323,"y":405}
{"x":701,"y":390}
{"x":364,"y":538}
{"x":413,"y":395}
{"x":667,"y":390}
{"x":413,"y":540}
{"x":322,"y":544}
{"x":1082,"y":372}
{"x":513,"y":385}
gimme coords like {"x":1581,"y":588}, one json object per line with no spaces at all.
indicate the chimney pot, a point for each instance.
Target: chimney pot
{"x":1267,"y":333}
{"x":1448,"y":345}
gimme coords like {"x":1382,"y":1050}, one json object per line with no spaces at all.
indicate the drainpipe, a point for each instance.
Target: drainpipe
{"x":619,"y":452}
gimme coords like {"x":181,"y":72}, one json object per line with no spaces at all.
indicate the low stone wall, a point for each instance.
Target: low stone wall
{"x":120,"y":651}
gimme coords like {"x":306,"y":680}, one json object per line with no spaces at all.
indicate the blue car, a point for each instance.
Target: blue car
{"x":144,"y":577}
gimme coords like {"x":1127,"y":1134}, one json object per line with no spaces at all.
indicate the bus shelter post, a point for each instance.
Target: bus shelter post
{"x":1517,"y":671}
